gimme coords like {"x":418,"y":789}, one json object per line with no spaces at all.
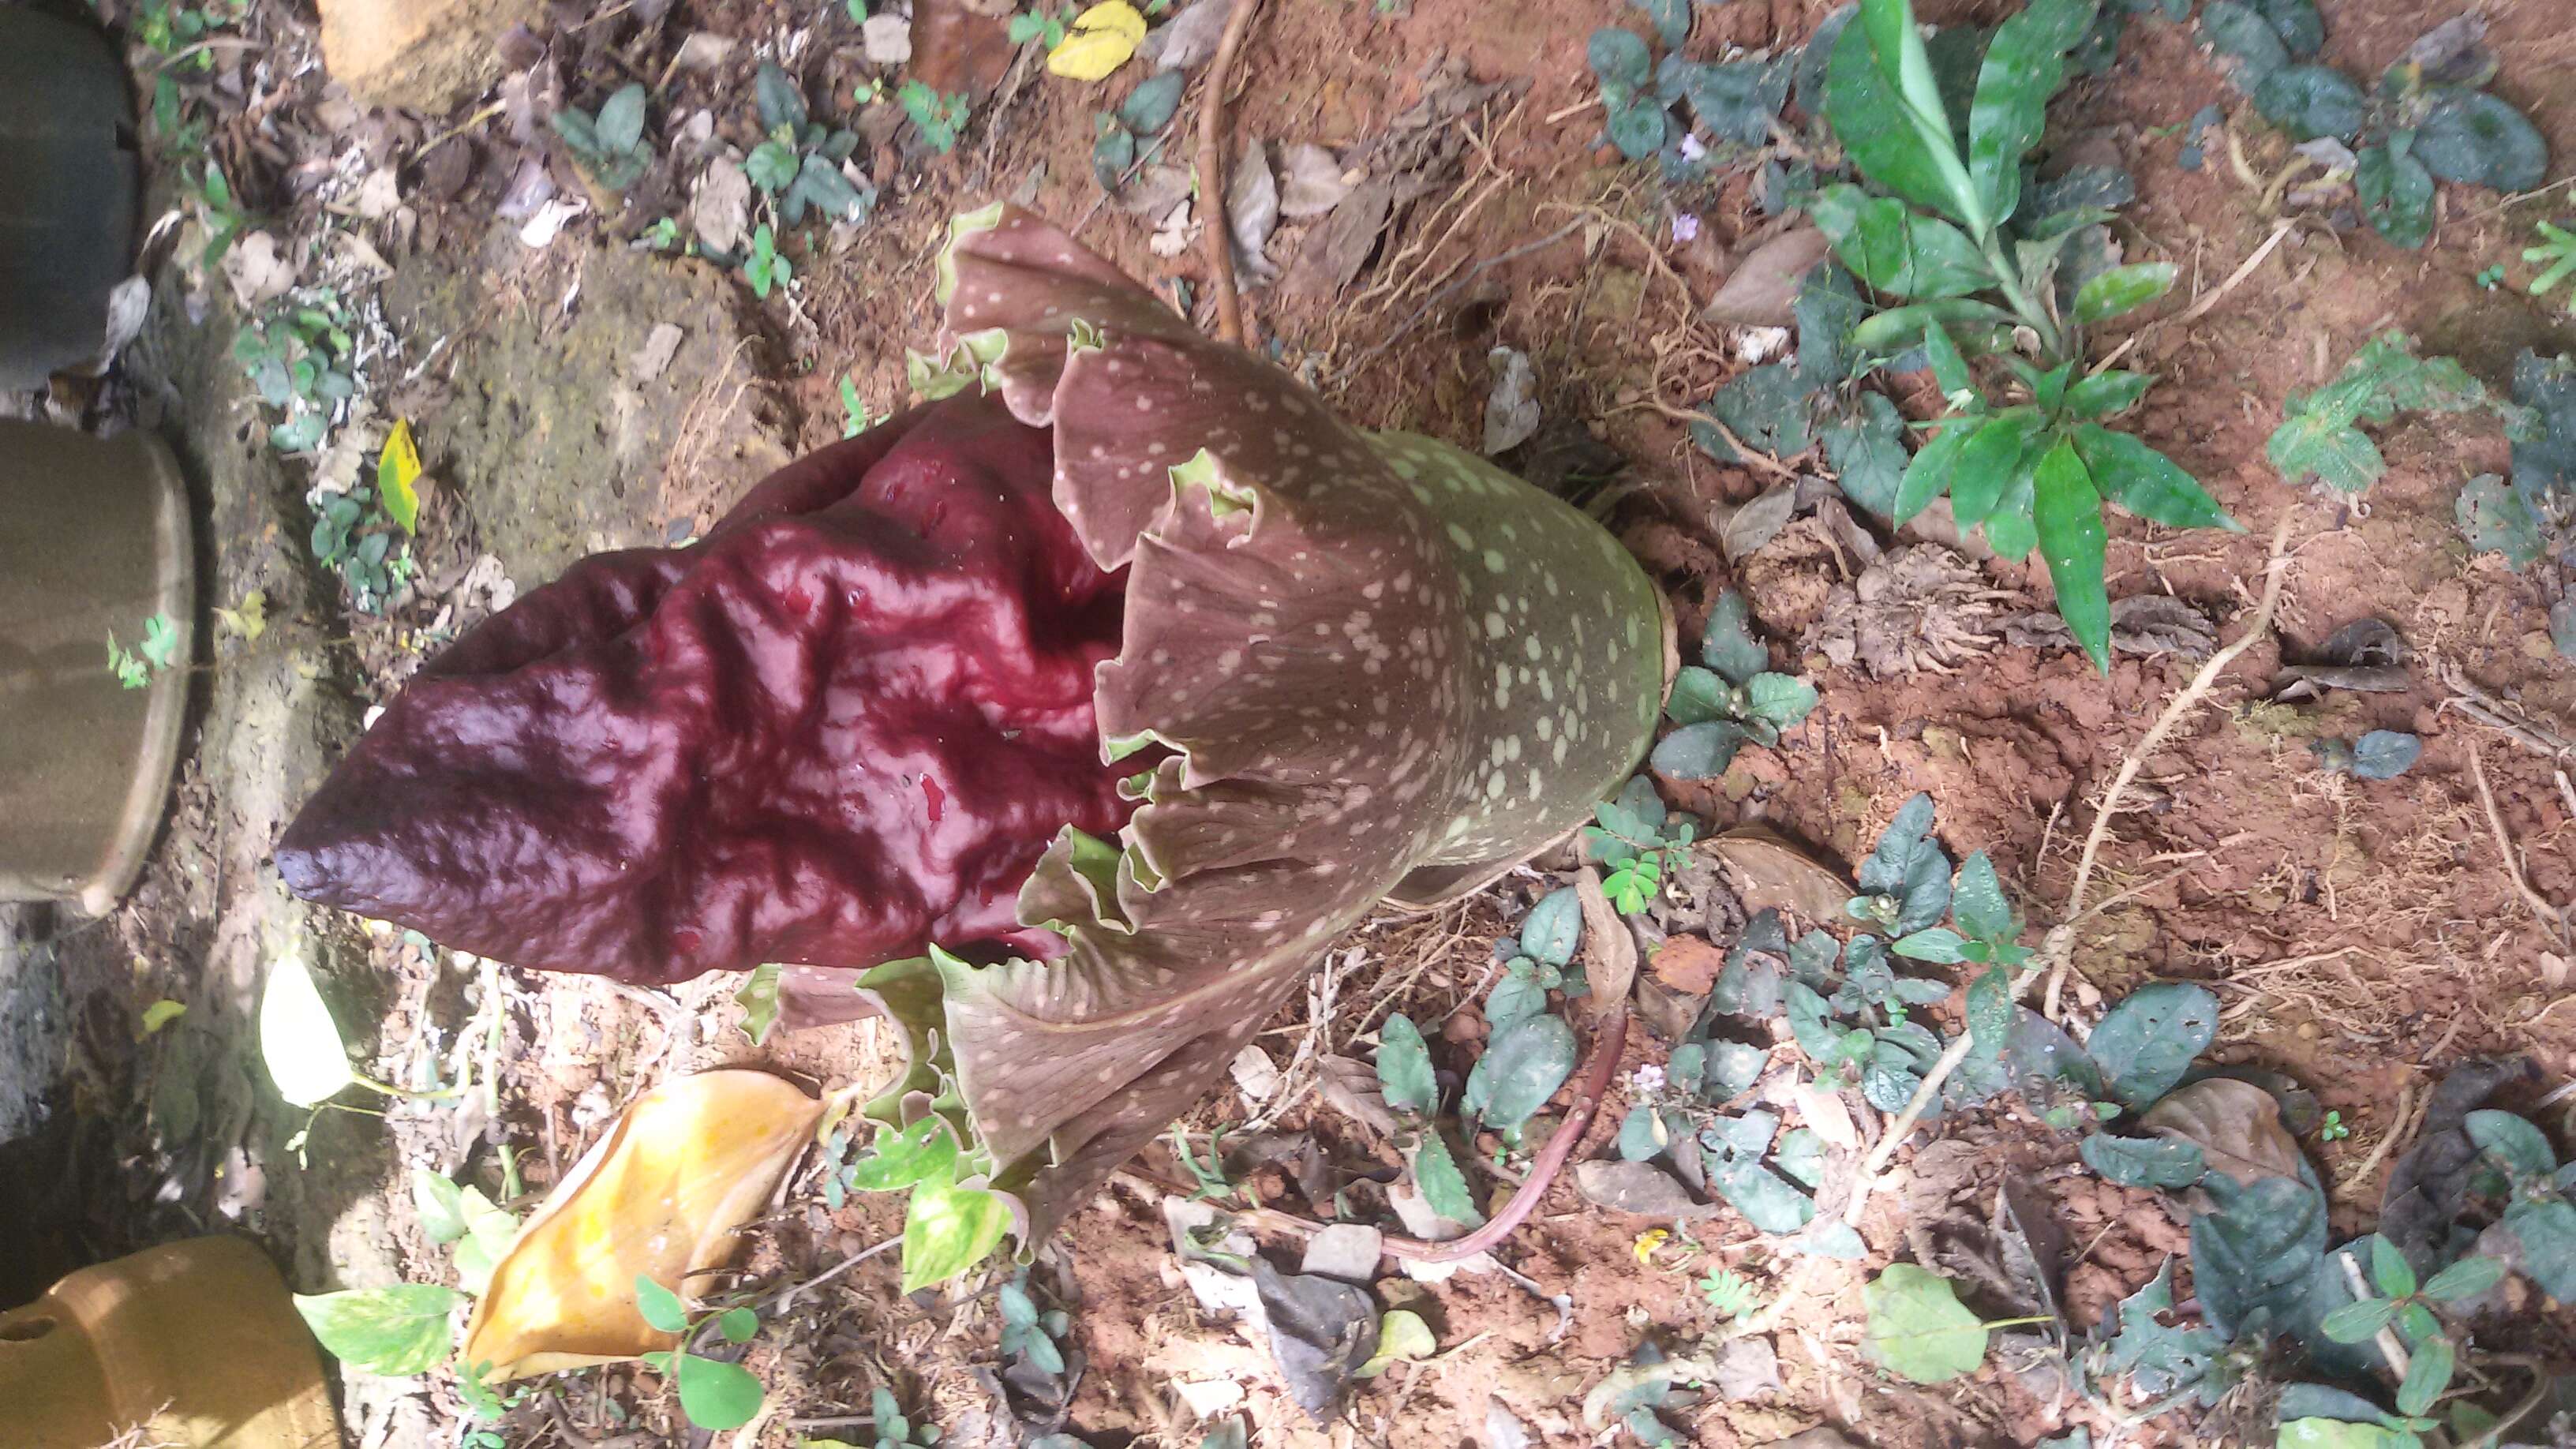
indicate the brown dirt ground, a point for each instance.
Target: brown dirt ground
{"x":2362,"y":936}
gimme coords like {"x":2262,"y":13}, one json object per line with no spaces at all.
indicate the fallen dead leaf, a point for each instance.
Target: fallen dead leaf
{"x":2237,"y":1124}
{"x":1310,"y":181}
{"x":1688,"y":964}
{"x":1638,"y":1187}
{"x":1768,"y":873}
{"x":1763,"y":288}
{"x":1609,"y":950}
{"x":258,"y":270}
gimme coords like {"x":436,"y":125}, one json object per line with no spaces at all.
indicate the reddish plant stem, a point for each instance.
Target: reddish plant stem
{"x":1607,"y":1043}
{"x":1218,"y":234}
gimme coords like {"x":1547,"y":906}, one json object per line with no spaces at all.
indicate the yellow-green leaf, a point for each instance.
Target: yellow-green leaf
{"x":398,"y":478}
{"x":161,"y":1013}
{"x":1102,"y":39}
{"x":758,"y":999}
{"x":947,"y":1230}
{"x":298,"y":1039}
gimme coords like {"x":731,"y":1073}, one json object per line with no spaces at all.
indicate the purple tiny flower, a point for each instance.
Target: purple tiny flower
{"x":1686,"y":228}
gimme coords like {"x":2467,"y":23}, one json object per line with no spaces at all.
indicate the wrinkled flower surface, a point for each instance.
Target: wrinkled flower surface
{"x":844,"y":725}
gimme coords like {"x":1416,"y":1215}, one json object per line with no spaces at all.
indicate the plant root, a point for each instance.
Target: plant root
{"x":1216,"y":231}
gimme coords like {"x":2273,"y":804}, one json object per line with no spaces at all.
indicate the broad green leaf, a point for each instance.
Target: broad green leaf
{"x":1977,"y":900}
{"x":1937,"y":944}
{"x":2235,"y":30}
{"x":2427,"y":1375}
{"x":440,"y":1205}
{"x":2472,"y":137}
{"x":2495,"y":518}
{"x":2068,"y":514}
{"x":1401,"y":1334}
{"x":1727,"y":645}
{"x":1516,"y":997}
{"x":1882,"y":133}
{"x":2396,"y":191}
{"x":1767,"y":408}
{"x":1699,"y":751}
{"x":925,"y":1151}
{"x":2157,"y":1358}
{"x":2466,"y":1278}
{"x":1988,"y":463}
{"x":2024,"y":65}
{"x":1444,"y":1187}
{"x":2359,"y":1321}
{"x":1699,"y":696}
{"x":2258,"y":1249}
{"x":1553,"y":930}
{"x":1620,"y":57}
{"x":2122,"y":289}
{"x":758,"y":999}
{"x":738,"y":1325}
{"x":662,"y":1309}
{"x":1642,"y":1134}
{"x":393,"y":1331}
{"x":947,"y":1230}
{"x":2547,"y":1232}
{"x":1968,"y":319}
{"x":1150,"y":106}
{"x":298,"y":1039}
{"x":780,"y":100}
{"x":1918,"y":1328}
{"x":1779,"y":700}
{"x":1737,"y":100}
{"x":2147,"y":483}
{"x":772,"y":166}
{"x":1522,"y":1067}
{"x":1934,"y":466}
{"x":1907,"y":863}
{"x":1990,"y":1012}
{"x":2312,"y":101}
{"x":2144,"y":1161}
{"x":716,"y":1395}
{"x":621,"y":121}
{"x":1766,"y":1199}
{"x":2511,"y":1143}
{"x":489,"y":1232}
{"x":1404,"y":1067}
{"x":2342,"y":1434}
{"x":2110,"y":392}
{"x":1638,"y":124}
{"x":1897,"y":250}
{"x":1867,"y":453}
{"x":1801,"y":1155}
{"x":2389,"y":1268}
{"x":1890,"y":1083}
{"x":2010,"y":530}
{"x":2145,"y":1044}
{"x":1828,"y":309}
{"x":1949,"y":366}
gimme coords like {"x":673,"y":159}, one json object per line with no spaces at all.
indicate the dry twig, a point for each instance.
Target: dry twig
{"x":1218,"y":231}
{"x":2550,"y":916}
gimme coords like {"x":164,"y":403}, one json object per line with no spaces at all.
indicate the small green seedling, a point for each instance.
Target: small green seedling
{"x":1035,"y":1336}
{"x":1640,"y":841}
{"x":2555,"y":256}
{"x":1981,"y":268}
{"x":609,"y":147}
{"x":893,"y":1429}
{"x":713,"y":1394}
{"x":1730,"y":1294}
{"x":1047,"y":30}
{"x":939,"y":118}
{"x":2433,"y":1354}
{"x":157,"y":650}
{"x":354,"y":537}
{"x":2333,"y":1128}
{"x":799,"y":166}
{"x":219,"y":212}
{"x":2490,"y":277}
{"x":855,"y":417}
{"x":2320,"y":434}
{"x":765,"y":269}
{"x":1729,"y":699}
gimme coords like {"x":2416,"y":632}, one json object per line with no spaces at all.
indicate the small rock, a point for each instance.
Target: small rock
{"x":888,"y":39}
{"x":1638,"y":1187}
{"x":654,"y":357}
{"x":1207,"y":1398}
{"x":1190,"y":38}
{"x":721,"y":214}
{"x":1503,"y":1428}
{"x":1348,"y":1251}
{"x":1747,"y":1368}
{"x":703,"y":51}
{"x":420,"y":55}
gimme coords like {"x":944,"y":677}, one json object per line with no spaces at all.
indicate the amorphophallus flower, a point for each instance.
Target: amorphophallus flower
{"x":1121,"y":670}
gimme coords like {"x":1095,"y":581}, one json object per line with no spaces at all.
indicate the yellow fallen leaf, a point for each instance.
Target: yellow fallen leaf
{"x":1648,"y":1241}
{"x":1102,"y":39}
{"x":661,"y":1195}
{"x":398,"y":478}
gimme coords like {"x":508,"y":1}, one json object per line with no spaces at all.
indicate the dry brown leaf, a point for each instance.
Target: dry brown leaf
{"x":1638,"y":1187}
{"x":1687,"y":964}
{"x":1609,"y":951}
{"x":1768,"y":873}
{"x":2237,"y":1124}
{"x":1763,"y":288}
{"x":1827,"y":1117}
{"x":661,"y":1194}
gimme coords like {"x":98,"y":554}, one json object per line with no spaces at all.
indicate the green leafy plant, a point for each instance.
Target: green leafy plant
{"x":765,"y":269}
{"x":758,"y":999}
{"x":713,"y":1394}
{"x":1047,"y":30}
{"x":354,"y":537}
{"x":157,"y":650}
{"x":939,"y":118}
{"x":609,"y":147}
{"x":1730,"y":697}
{"x":2319,"y":434}
{"x":2531,"y":518}
{"x":1730,"y":1294}
{"x":2333,"y":1128}
{"x":1034,"y":1336}
{"x":1978,"y":257}
{"x":219,"y":213}
{"x":855,"y":417}
{"x":798,"y":165}
{"x":2555,"y":256}
{"x":1640,"y":842}
{"x":2415,"y":127}
{"x":1136,"y":130}
{"x":297,"y":357}
{"x":1737,"y":102}
{"x":409,"y":1328}
{"x":2410,"y":1307}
